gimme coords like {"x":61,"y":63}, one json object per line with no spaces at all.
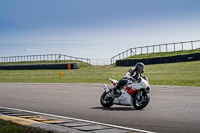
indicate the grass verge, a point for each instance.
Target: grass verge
{"x":10,"y":127}
{"x":174,"y":74}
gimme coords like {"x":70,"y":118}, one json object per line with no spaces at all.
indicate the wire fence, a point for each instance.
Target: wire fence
{"x":179,"y":46}
{"x":100,"y":61}
{"x":46,"y":57}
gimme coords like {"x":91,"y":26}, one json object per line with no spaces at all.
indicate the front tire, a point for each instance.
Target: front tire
{"x":106,"y":101}
{"x":139,"y":104}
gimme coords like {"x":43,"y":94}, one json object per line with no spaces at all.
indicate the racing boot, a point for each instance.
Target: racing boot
{"x":114,"y":92}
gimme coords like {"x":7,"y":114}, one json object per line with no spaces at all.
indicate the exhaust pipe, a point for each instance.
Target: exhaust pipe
{"x":106,"y":88}
{"x":107,"y":91}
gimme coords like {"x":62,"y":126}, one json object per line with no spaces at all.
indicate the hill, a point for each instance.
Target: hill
{"x":163,"y":54}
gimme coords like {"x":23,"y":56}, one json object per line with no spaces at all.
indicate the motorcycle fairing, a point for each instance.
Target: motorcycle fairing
{"x":130,"y":90}
{"x":114,"y":82}
{"x":124,"y":99}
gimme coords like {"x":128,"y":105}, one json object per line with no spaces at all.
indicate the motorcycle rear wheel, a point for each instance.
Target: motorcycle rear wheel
{"x":138,"y":105}
{"x":106,"y":101}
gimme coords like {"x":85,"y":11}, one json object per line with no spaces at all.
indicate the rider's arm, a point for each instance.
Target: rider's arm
{"x":132,"y":74}
{"x":128,"y":75}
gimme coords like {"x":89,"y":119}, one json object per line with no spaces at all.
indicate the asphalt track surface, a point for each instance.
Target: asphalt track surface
{"x":171,"y":109}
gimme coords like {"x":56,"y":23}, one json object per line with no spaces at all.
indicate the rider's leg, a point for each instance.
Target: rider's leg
{"x":121,"y":83}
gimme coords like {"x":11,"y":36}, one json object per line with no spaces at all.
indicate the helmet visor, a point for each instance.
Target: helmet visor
{"x":141,"y":69}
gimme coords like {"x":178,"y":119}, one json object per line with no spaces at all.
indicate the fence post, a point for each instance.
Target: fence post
{"x":182,"y":45}
{"x":135,"y":51}
{"x":174,"y":47}
{"x":166,"y":48}
{"x":192,"y":45}
{"x":160,"y":48}
{"x":153,"y":48}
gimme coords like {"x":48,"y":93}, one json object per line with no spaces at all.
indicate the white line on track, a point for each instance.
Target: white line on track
{"x":110,"y":125}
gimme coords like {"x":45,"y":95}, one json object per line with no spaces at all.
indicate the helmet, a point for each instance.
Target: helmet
{"x":140,"y":66}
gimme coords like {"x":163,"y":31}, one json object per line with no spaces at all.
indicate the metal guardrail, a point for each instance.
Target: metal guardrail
{"x":45,"y":57}
{"x":178,"y":46}
{"x":105,"y":61}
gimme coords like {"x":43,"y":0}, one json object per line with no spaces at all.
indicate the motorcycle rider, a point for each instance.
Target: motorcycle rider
{"x":133,"y":74}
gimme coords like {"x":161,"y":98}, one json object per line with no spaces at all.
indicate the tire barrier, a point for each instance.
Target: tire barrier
{"x":40,"y":66}
{"x":160,"y":60}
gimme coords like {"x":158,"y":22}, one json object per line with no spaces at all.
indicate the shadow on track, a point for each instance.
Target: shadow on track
{"x":116,"y":108}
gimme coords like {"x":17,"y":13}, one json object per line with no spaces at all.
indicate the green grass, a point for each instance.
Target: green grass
{"x":10,"y":127}
{"x":163,"y":54}
{"x":178,"y":74}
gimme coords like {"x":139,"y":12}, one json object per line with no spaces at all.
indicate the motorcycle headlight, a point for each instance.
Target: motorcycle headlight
{"x":147,"y":83}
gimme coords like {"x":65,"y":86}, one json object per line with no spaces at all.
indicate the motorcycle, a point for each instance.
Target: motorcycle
{"x":134,"y":94}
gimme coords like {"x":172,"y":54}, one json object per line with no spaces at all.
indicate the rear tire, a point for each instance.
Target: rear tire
{"x":106,"y":101}
{"x":138,"y":105}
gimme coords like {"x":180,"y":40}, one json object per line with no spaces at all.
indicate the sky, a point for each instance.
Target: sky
{"x":94,"y":28}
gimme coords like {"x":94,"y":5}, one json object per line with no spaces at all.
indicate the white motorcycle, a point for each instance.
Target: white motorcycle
{"x":134,"y":94}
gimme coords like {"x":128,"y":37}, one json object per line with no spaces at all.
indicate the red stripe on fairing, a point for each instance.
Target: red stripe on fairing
{"x":130,"y":90}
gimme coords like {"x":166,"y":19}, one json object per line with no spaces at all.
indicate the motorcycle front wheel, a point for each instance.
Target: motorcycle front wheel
{"x":141,"y":102}
{"x":106,"y":100}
